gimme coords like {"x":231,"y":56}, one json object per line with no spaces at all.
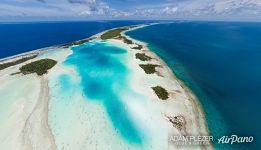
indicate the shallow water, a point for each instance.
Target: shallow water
{"x":103,"y":77}
{"x":93,"y":100}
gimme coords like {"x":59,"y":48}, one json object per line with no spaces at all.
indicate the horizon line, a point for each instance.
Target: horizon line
{"x":105,"y":20}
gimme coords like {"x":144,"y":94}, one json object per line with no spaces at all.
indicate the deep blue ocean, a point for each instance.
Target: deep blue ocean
{"x":16,"y":38}
{"x":221,"y":63}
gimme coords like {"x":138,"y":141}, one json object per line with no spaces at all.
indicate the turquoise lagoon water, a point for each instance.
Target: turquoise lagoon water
{"x":220,"y":62}
{"x":104,"y":75}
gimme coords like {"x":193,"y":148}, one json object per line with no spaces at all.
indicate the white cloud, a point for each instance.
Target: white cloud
{"x":170,"y":9}
{"x":204,"y":9}
{"x":59,"y":8}
{"x":45,"y":8}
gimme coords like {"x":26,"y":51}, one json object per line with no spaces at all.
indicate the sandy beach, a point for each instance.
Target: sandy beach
{"x":177,"y":87}
{"x":24,"y":113}
{"x":182,"y":101}
{"x":34,"y":117}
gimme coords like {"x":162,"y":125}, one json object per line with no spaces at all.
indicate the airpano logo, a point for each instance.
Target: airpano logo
{"x":207,"y":140}
{"x":235,"y":139}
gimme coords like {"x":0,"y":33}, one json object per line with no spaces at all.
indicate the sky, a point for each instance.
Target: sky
{"x":130,"y":9}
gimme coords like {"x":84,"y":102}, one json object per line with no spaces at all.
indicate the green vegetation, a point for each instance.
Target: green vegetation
{"x":9,"y":64}
{"x":15,"y":73}
{"x":142,"y":57}
{"x":113,"y":33}
{"x":39,"y":67}
{"x":127,"y":41}
{"x":81,"y":42}
{"x":77,"y":42}
{"x":178,"y":122}
{"x":139,"y":47}
{"x":149,"y":68}
{"x":161,"y":92}
{"x":116,"y":33}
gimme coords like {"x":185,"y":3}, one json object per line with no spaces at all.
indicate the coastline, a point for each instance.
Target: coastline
{"x":194,"y":98}
{"x":199,"y":118}
{"x":198,"y":109}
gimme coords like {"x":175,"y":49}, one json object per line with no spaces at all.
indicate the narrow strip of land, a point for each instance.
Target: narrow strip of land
{"x":36,"y":133}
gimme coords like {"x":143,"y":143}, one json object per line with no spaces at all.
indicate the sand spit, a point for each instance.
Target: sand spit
{"x":24,"y":105}
{"x":36,"y":133}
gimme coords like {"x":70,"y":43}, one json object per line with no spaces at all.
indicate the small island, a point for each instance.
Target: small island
{"x":142,"y":57}
{"x":139,"y":47}
{"x":113,"y":33}
{"x":161,"y":92}
{"x":116,"y":33}
{"x":39,"y":67}
{"x":178,"y":122}
{"x":149,"y":68}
